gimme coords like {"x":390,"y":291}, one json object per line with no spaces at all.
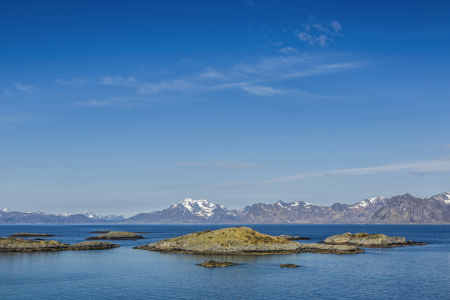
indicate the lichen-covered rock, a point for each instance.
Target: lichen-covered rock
{"x":117,"y":235}
{"x":26,"y":234}
{"x":216,"y":264}
{"x":239,"y":241}
{"x":20,"y":245}
{"x":369,"y":240}
{"x":289,"y":266}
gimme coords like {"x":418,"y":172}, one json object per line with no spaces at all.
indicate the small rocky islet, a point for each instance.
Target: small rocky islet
{"x":289,"y":266}
{"x":12,"y":244}
{"x":240,"y":241}
{"x":366,"y":240}
{"x":216,"y":264}
{"x":117,"y":235}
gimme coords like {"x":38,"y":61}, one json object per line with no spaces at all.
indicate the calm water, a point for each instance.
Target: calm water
{"x":420,"y":272}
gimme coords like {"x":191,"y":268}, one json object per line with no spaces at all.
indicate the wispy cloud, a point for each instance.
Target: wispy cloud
{"x":265,"y":77}
{"x":278,"y":44}
{"x":439,"y":147}
{"x":23,"y":87}
{"x":95,"y":103}
{"x":288,"y":50}
{"x":262,"y":90}
{"x":324,"y":69}
{"x":15,"y":118}
{"x":70,"y":81}
{"x":168,"y":86}
{"x":220,"y":164}
{"x":211,"y":73}
{"x":117,"y":80}
{"x":417,"y":167}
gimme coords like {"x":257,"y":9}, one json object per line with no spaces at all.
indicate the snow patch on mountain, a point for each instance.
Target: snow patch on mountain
{"x":91,"y":215}
{"x":5,"y":210}
{"x":64,"y":214}
{"x":200,"y":207}
{"x":367,"y":202}
{"x":42,"y":213}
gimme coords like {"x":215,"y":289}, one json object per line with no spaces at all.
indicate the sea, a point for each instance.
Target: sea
{"x":413,"y":272}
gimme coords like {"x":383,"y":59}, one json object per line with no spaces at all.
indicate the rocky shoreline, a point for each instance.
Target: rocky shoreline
{"x":369,"y":240}
{"x":240,"y":241}
{"x":19,"y":245}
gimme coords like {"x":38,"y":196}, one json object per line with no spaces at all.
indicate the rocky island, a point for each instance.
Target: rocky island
{"x":26,"y":234}
{"x":117,"y":235}
{"x":20,"y":245}
{"x":369,"y":240}
{"x":240,"y":241}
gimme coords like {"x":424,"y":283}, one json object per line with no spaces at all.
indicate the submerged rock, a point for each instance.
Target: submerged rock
{"x":294,"y":238}
{"x":19,"y":245}
{"x":369,"y":240}
{"x":117,"y":235}
{"x":289,"y":266}
{"x":240,"y":241}
{"x":26,"y":234}
{"x":216,"y":264}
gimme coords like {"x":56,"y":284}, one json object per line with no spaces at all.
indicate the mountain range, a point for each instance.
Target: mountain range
{"x":403,"y":209}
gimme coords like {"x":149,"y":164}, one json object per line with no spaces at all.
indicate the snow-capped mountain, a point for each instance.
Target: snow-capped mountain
{"x":407,"y":209}
{"x":305,"y":212}
{"x":190,"y":211}
{"x":402,"y":209}
{"x":91,"y":215}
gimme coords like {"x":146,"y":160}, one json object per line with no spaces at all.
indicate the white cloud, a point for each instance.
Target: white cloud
{"x":211,"y":73}
{"x":336,"y":26}
{"x":303,"y":36}
{"x":320,"y":27}
{"x":220,"y":164}
{"x":315,"y":33}
{"x":22,"y":87}
{"x":287,"y":50}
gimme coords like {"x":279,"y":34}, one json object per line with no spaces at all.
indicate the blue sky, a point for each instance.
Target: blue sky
{"x":130,"y":106}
